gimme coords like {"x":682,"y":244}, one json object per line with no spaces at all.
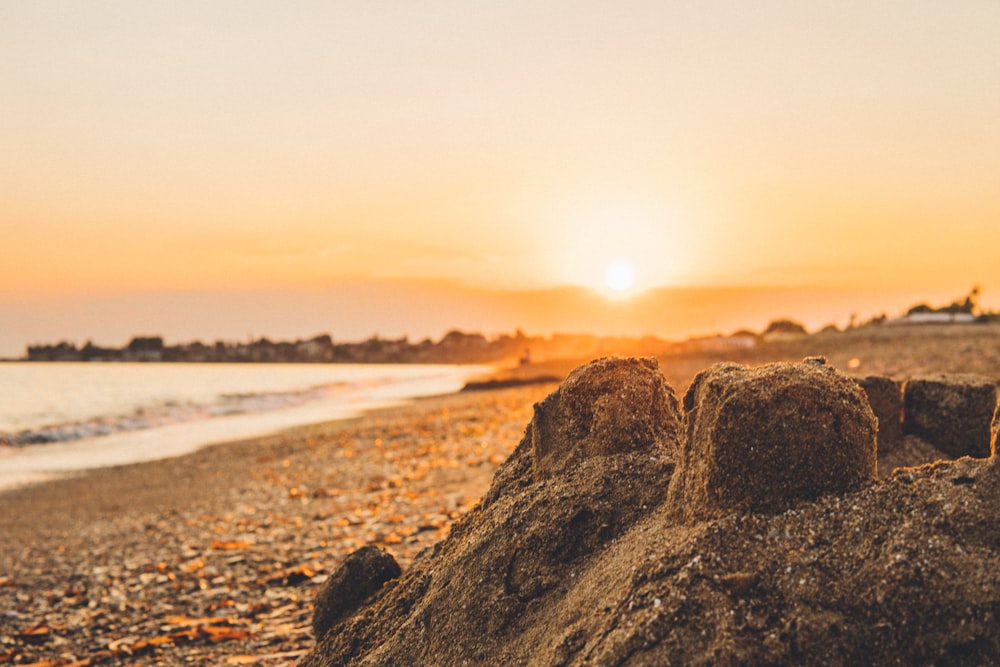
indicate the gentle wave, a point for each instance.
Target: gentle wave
{"x":169,"y":413}
{"x":164,"y":412}
{"x":64,"y":403}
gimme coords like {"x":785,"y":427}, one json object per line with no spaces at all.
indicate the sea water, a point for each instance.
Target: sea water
{"x":59,"y":418}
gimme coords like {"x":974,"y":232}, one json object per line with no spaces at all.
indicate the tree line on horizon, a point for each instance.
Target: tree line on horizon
{"x":461,"y":347}
{"x":454,"y":347}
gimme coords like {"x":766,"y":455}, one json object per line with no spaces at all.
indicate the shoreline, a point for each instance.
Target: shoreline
{"x":26,"y":463}
{"x":29,"y":464}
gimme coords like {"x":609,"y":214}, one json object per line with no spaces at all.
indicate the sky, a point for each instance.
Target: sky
{"x":259,"y":168}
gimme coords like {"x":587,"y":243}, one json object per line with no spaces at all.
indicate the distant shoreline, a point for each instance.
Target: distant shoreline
{"x":459,"y":347}
{"x":456,"y":347}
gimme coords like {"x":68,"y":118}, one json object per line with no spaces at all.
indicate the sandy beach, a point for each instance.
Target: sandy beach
{"x":215,"y":557}
{"x":538,"y":334}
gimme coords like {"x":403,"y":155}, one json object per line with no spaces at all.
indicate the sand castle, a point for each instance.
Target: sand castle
{"x":763,"y":439}
{"x":746,"y":525}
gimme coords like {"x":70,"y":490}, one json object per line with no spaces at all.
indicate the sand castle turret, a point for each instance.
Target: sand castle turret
{"x":609,"y":406}
{"x":763,"y":439}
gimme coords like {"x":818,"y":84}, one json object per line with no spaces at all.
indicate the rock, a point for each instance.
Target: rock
{"x":764,"y":439}
{"x":608,"y":406}
{"x":953,"y":412}
{"x":885,"y":396}
{"x":359,"y":577}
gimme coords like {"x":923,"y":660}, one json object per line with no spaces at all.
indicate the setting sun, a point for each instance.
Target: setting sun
{"x":619,"y":276}
{"x":616,"y":241}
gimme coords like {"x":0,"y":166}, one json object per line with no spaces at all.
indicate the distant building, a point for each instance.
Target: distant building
{"x":934,"y":317}
{"x":719,"y":343}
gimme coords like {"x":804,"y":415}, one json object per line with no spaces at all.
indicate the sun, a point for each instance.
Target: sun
{"x":619,"y":276}
{"x":615,"y":245}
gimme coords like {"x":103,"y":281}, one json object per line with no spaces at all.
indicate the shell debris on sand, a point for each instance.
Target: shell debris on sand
{"x":745,"y":527}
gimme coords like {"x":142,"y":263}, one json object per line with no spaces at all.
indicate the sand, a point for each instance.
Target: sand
{"x":757,"y":534}
{"x":217,"y":557}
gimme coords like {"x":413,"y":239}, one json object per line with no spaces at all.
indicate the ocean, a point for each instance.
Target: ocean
{"x":59,"y":418}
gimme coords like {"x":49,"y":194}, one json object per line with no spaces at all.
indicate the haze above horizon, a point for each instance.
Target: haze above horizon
{"x":324,"y":162}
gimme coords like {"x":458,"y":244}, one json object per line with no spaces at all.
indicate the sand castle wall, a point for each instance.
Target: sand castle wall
{"x":956,"y":414}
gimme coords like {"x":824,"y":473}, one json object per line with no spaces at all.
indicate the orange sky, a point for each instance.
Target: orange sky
{"x":191,"y":148}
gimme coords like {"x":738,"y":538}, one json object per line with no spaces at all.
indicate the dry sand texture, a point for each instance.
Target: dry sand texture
{"x":215,"y":558}
{"x":757,"y":533}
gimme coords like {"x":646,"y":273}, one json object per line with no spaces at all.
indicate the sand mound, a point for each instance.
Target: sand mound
{"x":748,"y":530}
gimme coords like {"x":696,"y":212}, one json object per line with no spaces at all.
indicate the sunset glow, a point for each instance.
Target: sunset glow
{"x":619,"y":276}
{"x":173,"y":153}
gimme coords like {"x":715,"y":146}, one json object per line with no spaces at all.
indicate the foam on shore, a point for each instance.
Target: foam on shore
{"x":39,"y":462}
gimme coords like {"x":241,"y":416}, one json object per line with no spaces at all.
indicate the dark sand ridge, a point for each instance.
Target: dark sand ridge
{"x":749,"y":528}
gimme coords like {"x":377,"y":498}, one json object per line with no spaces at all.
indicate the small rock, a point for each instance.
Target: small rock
{"x":361,"y":575}
{"x":609,"y":406}
{"x":952,"y":412}
{"x":763,"y":439}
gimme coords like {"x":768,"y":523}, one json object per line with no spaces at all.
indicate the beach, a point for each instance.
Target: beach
{"x":215,"y":557}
